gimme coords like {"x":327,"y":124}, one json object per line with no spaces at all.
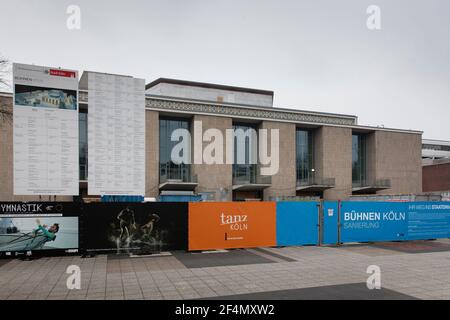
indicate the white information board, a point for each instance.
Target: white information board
{"x":45,"y":134}
{"x":116,"y":135}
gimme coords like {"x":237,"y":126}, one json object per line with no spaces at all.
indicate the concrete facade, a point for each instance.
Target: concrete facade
{"x":392,"y":154}
{"x":333,"y":159}
{"x":209,"y":92}
{"x":216,"y":178}
{"x":284,"y":182}
{"x":151,"y":153}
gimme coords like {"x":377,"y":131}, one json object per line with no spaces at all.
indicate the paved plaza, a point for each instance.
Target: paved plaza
{"x":409,"y":270}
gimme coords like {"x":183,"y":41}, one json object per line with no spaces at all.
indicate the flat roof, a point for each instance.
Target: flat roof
{"x":437,"y":142}
{"x":83,"y":83}
{"x":207,"y":85}
{"x":358,"y":127}
{"x":263,"y":108}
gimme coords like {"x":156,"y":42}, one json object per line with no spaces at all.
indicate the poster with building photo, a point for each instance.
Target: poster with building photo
{"x":116,"y":134}
{"x":38,"y":226}
{"x":45,"y":138}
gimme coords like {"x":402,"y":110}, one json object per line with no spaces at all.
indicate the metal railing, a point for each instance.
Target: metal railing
{"x":178,"y":173}
{"x":400,"y":197}
{"x":249,"y":174}
{"x":378,"y":183}
{"x":294,"y":198}
{"x":314,"y":181}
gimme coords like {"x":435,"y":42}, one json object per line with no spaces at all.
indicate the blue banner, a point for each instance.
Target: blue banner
{"x":389,"y":221}
{"x":297,"y":223}
{"x":428,"y":220}
{"x":373,"y":221}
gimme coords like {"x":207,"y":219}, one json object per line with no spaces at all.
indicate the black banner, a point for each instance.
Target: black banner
{"x":135,"y":227}
{"x":38,"y":226}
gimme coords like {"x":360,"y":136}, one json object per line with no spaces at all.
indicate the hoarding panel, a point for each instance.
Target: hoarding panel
{"x":222,"y":225}
{"x":373,"y":221}
{"x":135,"y":227}
{"x":387,"y":221}
{"x":39,"y":226}
{"x":428,"y":220}
{"x":297,"y":223}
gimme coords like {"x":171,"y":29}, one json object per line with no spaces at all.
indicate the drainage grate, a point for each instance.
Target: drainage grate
{"x":229,"y":258}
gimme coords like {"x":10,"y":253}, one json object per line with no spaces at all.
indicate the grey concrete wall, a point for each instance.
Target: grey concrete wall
{"x":210,"y":94}
{"x":212,"y":177}
{"x":318,"y":152}
{"x":284,"y":182}
{"x":151,"y":153}
{"x":391,"y":155}
{"x":399,"y":158}
{"x":371,"y":159}
{"x":333,"y":159}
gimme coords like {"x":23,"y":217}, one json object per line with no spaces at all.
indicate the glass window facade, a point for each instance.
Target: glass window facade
{"x":245,"y":171}
{"x":167,"y":168}
{"x":304,"y":157}
{"x":83,"y":157}
{"x":359,"y":160}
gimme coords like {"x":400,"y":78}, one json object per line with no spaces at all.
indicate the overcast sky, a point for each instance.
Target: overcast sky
{"x":315,"y":55}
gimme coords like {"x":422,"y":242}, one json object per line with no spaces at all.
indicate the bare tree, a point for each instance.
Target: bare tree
{"x":5,"y":66}
{"x":5,"y":112}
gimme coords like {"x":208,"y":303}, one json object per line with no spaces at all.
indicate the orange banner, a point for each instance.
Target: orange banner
{"x":222,"y":225}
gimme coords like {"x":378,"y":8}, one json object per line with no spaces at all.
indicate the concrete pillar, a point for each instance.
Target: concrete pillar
{"x":333,"y":159}
{"x":214,"y":177}
{"x":151,"y":153}
{"x":371,"y":157}
{"x":284,"y":182}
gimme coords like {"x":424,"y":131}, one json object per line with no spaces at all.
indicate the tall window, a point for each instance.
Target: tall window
{"x":304,"y":157}
{"x":167,"y":168}
{"x":358,"y":159}
{"x":245,"y":152}
{"x":82,"y":145}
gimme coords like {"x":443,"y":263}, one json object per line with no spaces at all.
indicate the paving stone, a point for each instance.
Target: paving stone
{"x":417,"y":274}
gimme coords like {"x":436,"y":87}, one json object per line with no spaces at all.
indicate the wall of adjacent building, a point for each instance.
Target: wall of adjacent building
{"x":436,"y":177}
